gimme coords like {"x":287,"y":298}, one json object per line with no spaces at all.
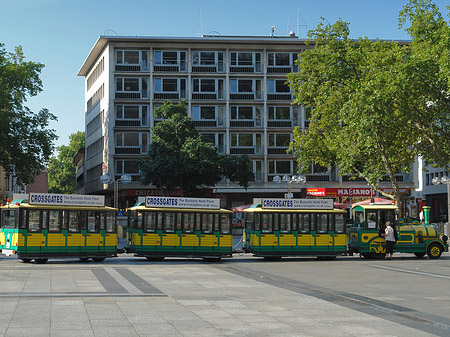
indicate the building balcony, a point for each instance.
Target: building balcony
{"x":131,"y":67}
{"x":279,"y":97}
{"x":279,"y":124}
{"x":242,"y":124}
{"x":278,"y":150}
{"x":132,"y":94}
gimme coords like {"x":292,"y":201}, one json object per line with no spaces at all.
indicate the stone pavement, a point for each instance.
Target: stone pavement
{"x":134,"y":297}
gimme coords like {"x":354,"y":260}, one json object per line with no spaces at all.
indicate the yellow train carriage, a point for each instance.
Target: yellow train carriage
{"x":183,"y":227}
{"x":294,"y":227}
{"x":58,"y":226}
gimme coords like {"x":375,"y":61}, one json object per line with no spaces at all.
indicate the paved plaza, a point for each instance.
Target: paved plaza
{"x":243,"y":296}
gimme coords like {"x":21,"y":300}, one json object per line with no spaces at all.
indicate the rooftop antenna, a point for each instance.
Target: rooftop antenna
{"x":109,"y":32}
{"x":200,"y":25}
{"x":298,"y":22}
{"x":272,"y":31}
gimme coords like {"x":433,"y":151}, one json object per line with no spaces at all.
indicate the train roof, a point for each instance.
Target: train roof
{"x":141,"y":207}
{"x":256,"y":208}
{"x":377,"y":206}
{"x":23,"y":203}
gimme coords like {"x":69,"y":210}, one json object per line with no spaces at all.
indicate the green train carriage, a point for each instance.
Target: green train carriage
{"x":295,"y":227}
{"x":365,"y":238}
{"x":179,"y":227}
{"x":58,"y":226}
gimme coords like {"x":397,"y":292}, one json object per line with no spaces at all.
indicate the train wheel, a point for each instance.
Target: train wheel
{"x":26,"y":260}
{"x":98,"y":259}
{"x":434,"y":251}
{"x":378,"y":255}
{"x":156,"y":258}
{"x":419,"y":254}
{"x":84,"y":259}
{"x":40,"y":261}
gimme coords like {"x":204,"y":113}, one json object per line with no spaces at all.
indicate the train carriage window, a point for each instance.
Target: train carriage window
{"x":208,"y":223}
{"x":285,"y":223}
{"x":73,"y":221}
{"x":93,"y":222}
{"x":266,"y":223}
{"x":225,"y":223}
{"x":339,"y":223}
{"x":54,"y":221}
{"x":216,"y":222}
{"x":82,"y":218}
{"x":139,"y":220}
{"x":179,"y":221}
{"x":101,"y":220}
{"x":198,"y":221}
{"x":169,"y":222}
{"x":257,"y":220}
{"x":359,"y":218}
{"x":387,"y":215}
{"x":150,"y":220}
{"x":34,"y":219}
{"x":110,"y":222}
{"x":322,"y":223}
{"x":276,"y":222}
{"x":372,"y":220}
{"x":131,"y":218}
{"x":304,"y":223}
{"x":188,"y":222}
{"x":313,"y":222}
{"x":44,"y":221}
{"x":10,"y":219}
{"x":295,"y":222}
{"x":160,"y":221}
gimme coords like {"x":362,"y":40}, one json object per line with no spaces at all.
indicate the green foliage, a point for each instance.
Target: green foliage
{"x":430,"y":48}
{"x":61,"y":169}
{"x":364,"y":94}
{"x":178,"y":156}
{"x":26,"y":143}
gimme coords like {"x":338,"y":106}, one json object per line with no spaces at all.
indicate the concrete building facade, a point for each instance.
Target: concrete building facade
{"x":235,"y":92}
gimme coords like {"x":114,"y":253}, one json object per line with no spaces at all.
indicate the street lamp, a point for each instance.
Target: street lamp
{"x":106,"y":179}
{"x":444,"y":180}
{"x":300,"y":179}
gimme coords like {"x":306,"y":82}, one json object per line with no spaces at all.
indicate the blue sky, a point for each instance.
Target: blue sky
{"x":60,"y":33}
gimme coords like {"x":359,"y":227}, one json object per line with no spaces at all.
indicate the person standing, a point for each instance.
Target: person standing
{"x":390,"y":240}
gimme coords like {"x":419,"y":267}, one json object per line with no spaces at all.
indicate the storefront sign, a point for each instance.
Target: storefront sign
{"x":297,"y":203}
{"x":340,"y":192}
{"x":174,"y":202}
{"x":66,"y":199}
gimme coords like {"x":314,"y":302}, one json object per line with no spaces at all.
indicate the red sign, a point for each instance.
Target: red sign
{"x":338,"y":192}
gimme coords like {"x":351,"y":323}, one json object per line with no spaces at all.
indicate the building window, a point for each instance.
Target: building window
{"x":241,"y":61}
{"x":277,"y":86}
{"x":131,"y":115}
{"x":217,"y":139}
{"x":242,"y":112}
{"x":246,"y":143}
{"x":170,"y":60}
{"x":277,"y":167}
{"x":258,"y":173}
{"x":206,"y":85}
{"x":279,"y":113}
{"x":279,"y":140}
{"x":204,"y":112}
{"x":127,"y":167}
{"x":170,"y":88}
{"x":131,"y":87}
{"x":278,"y":59}
{"x":131,"y":142}
{"x":129,"y":60}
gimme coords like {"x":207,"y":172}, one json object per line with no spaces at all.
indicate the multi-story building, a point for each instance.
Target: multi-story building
{"x":235,"y":92}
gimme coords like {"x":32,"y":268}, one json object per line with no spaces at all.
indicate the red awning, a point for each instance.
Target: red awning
{"x":376,"y":201}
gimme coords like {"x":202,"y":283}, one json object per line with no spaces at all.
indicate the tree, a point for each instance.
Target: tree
{"x":26,"y":143}
{"x":364,"y":93}
{"x":431,"y":45}
{"x":179,"y":157}
{"x":61,"y":170}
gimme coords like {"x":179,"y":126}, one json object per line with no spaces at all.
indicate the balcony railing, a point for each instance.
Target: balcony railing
{"x":128,"y":123}
{"x":213,"y":68}
{"x":133,"y":94}
{"x":170,"y":95}
{"x":131,"y":67}
{"x":279,"y":70}
{"x":279,"y":124}
{"x":242,"y":124}
{"x":277,"y":150}
{"x":317,"y":177}
{"x":210,"y":123}
{"x":207,"y":96}
{"x":169,"y":67}
{"x":279,"y":97}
